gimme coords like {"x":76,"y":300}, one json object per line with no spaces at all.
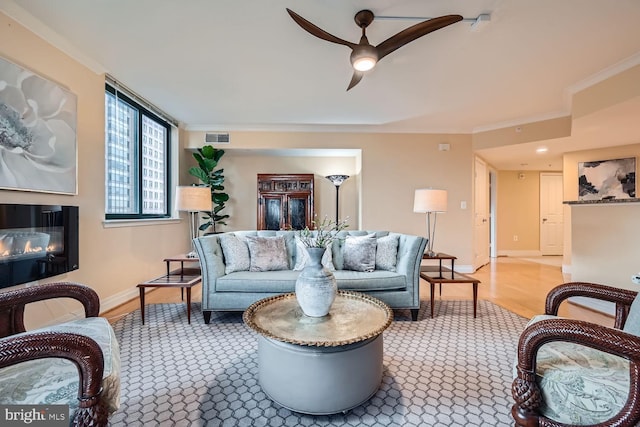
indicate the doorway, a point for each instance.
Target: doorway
{"x":481,"y":214}
{"x":551,"y":214}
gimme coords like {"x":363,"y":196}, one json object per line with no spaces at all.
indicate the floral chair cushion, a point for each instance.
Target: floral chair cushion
{"x":580,"y":385}
{"x":55,"y":381}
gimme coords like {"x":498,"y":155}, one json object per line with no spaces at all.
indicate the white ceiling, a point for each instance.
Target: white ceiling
{"x":244,"y":64}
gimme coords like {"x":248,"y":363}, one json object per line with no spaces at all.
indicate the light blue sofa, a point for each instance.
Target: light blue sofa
{"x":236,"y":291}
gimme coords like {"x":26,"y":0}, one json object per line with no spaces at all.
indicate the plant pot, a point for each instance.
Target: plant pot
{"x":316,"y":286}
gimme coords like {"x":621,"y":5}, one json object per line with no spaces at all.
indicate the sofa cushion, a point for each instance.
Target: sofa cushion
{"x":378,"y":280}
{"x":387,"y":252}
{"x":360,"y":253}
{"x":285,"y":281}
{"x":55,"y":381}
{"x":236,"y":253}
{"x":341,"y":237}
{"x":302,"y":256}
{"x":264,"y":281}
{"x":267,"y":253}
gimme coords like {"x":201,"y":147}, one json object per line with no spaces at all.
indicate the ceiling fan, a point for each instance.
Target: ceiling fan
{"x":364,"y":56}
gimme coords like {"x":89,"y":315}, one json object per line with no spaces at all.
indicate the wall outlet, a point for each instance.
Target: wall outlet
{"x":636,"y":279}
{"x":463,"y":204}
{"x":515,"y":237}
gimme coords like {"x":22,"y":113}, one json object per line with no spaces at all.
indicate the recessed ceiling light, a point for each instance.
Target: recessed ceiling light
{"x":541,"y":150}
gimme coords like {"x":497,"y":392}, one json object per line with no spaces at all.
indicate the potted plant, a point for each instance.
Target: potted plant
{"x":208,"y":158}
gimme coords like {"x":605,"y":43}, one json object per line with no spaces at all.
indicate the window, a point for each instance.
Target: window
{"x":137,"y":146}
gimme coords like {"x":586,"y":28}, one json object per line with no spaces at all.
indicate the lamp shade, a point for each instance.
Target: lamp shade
{"x":192,"y":198}
{"x":430,"y":200}
{"x":337,"y":180}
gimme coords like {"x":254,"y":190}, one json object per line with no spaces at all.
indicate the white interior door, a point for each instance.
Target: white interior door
{"x":551,"y":214}
{"x":481,"y":214}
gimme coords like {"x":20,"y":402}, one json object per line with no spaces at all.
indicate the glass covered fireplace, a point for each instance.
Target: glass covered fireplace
{"x":37,"y":241}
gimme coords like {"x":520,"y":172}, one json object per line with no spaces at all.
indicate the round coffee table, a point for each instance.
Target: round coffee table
{"x":320,"y":365}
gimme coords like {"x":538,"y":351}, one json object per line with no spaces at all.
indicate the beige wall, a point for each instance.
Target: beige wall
{"x":112,"y":260}
{"x":570,"y":178}
{"x":241,"y":171}
{"x":527,"y":132}
{"x":392,"y":167}
{"x":614,"y":90}
{"x":518,"y":213}
{"x":605,"y":243}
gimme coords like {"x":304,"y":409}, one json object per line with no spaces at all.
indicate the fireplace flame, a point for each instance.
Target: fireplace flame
{"x":28,"y":249}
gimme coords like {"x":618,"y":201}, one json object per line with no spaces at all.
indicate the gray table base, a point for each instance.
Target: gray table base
{"x":320,"y":380}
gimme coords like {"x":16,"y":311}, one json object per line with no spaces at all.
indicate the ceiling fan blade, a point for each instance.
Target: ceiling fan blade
{"x":415,"y":31}
{"x":357,"y":76}
{"x":317,"y":31}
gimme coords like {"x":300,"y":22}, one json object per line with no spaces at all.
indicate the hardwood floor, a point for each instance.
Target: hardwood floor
{"x":519,"y":285}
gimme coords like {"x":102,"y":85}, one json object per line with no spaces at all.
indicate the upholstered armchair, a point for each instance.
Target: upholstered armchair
{"x":572,"y":372}
{"x":75,"y":363}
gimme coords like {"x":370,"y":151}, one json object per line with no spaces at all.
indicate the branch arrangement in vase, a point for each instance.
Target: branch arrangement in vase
{"x":325,"y":232}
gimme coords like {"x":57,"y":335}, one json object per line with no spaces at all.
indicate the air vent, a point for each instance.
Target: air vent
{"x":217,"y":138}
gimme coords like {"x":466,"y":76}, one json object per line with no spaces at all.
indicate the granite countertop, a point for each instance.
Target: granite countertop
{"x":600,"y":202}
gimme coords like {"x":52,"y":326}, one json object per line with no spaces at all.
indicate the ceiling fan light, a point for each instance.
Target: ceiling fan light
{"x":364,"y":58}
{"x":364,"y":64}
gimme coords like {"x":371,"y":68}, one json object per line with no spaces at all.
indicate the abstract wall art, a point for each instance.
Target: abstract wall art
{"x":607,"y":179}
{"x":38,"y":150}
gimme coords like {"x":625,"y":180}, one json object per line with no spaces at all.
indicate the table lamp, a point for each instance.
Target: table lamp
{"x":193,"y":199}
{"x":430,"y":201}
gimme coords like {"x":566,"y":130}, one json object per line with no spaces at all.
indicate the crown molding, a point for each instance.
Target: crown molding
{"x":33,"y":24}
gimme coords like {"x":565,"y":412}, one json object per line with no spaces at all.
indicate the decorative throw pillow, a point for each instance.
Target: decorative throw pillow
{"x":360,"y":253}
{"x":236,"y":253}
{"x":387,"y":252}
{"x":267,"y":253}
{"x":302,"y":257}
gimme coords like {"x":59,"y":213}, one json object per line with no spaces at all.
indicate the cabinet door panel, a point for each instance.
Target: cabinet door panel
{"x":298,"y":212}
{"x":273,"y":213}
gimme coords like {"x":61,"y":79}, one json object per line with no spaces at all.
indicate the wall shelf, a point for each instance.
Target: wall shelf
{"x":601,"y":202}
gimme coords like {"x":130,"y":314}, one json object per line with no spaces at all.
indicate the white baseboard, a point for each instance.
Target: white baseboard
{"x":520,"y":253}
{"x":118,"y":299}
{"x":464,"y":269}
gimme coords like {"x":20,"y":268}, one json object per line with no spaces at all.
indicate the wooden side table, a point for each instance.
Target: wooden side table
{"x":182,"y":258}
{"x":435,"y":275}
{"x":440,"y":256}
{"x":183,"y":278}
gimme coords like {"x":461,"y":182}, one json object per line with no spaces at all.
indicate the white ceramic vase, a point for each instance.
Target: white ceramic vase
{"x":316,"y":286}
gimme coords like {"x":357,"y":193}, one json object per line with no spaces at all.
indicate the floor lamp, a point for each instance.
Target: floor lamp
{"x":337,"y":180}
{"x":430,"y":201}
{"x":193,"y":199}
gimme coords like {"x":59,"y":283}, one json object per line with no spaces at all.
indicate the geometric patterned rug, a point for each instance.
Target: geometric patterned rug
{"x":452,"y":370}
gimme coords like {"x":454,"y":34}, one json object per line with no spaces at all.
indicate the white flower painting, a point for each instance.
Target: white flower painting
{"x":37,"y":133}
